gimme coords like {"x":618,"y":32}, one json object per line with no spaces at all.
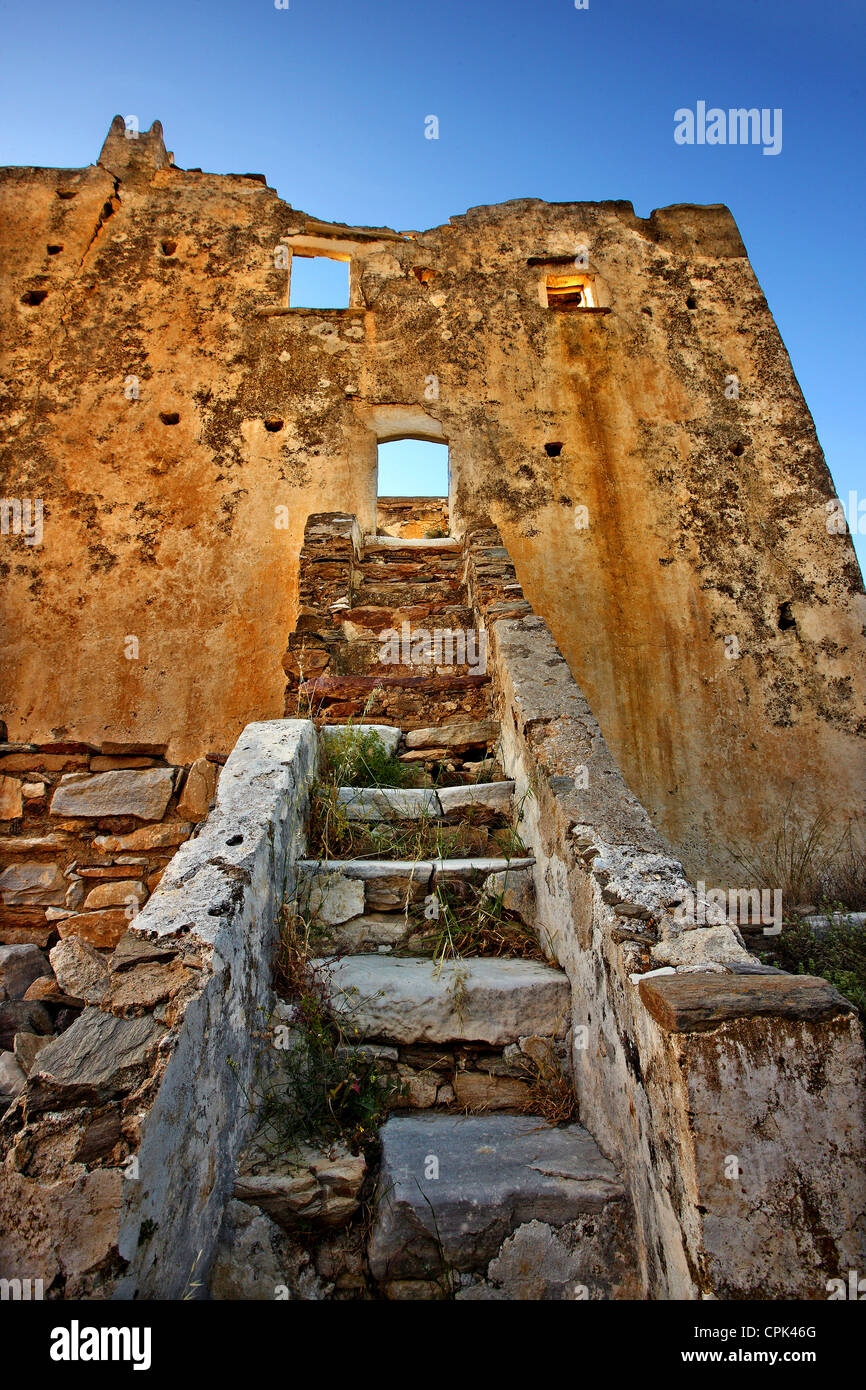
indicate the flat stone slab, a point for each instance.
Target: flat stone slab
{"x":388,"y":803}
{"x":821,"y":923}
{"x":388,"y":734}
{"x":452,"y":1188}
{"x":493,"y":796}
{"x":411,"y":803}
{"x":33,"y":884}
{"x":97,"y":1059}
{"x":454,"y":735}
{"x":164,"y":836}
{"x":418,"y":869}
{"x":477,"y":999}
{"x":129,"y":793}
{"x":447,"y":543}
{"x":694,"y":1003}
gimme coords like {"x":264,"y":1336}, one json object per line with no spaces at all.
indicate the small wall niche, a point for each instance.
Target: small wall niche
{"x":33,"y":297}
{"x":786,"y":620}
{"x":169,"y":417}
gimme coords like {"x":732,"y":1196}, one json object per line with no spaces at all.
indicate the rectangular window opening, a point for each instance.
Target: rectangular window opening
{"x":318,"y":282}
{"x":568,"y":292}
{"x":413,"y":489}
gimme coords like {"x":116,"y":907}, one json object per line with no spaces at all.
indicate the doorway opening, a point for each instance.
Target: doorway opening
{"x":413,"y":489}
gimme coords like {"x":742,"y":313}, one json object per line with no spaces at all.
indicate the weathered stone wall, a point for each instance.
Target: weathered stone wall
{"x":118,"y":1156}
{"x":176,"y":515}
{"x":86,"y":833}
{"x":732,"y":1096}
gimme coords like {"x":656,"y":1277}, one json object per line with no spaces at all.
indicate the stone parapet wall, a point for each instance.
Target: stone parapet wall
{"x":731,"y":1095}
{"x":118,"y":1155}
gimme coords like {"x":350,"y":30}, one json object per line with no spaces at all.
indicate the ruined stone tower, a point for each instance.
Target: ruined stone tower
{"x":637,"y":523}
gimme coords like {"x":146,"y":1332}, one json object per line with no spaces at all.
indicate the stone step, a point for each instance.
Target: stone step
{"x":454,"y":734}
{"x":373,"y":545}
{"x":407,"y":571}
{"x":389,"y":803}
{"x":335,"y":890}
{"x":365,"y":620}
{"x":397,"y":803}
{"x":373,"y":658}
{"x":452,"y":1188}
{"x":388,"y":594}
{"x":472,"y":868}
{"x":483,"y":999}
{"x":341,"y":687}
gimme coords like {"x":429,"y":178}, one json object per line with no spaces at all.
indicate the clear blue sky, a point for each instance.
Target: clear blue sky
{"x":328,"y":99}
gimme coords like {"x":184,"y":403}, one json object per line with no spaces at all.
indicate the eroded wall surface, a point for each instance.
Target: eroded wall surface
{"x":675,"y":515}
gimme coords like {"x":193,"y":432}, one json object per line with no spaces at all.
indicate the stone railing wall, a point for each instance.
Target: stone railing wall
{"x":332,"y":545}
{"x":118,"y":1156}
{"x":731,"y":1095}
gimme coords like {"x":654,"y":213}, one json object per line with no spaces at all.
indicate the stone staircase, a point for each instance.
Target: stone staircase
{"x":431,"y":961}
{"x":339,"y":665}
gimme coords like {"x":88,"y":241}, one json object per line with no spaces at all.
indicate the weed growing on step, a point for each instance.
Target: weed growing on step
{"x":457,"y":991}
{"x":472,"y":921}
{"x":551,"y":1094}
{"x":334,"y":834}
{"x":443,"y":1272}
{"x":324,"y":1088}
{"x":358,"y":758}
{"x":837,"y":952}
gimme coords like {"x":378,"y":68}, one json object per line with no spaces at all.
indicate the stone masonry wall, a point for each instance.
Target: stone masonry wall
{"x":178,"y":422}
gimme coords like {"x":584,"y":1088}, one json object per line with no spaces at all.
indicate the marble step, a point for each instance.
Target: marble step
{"x":398,"y":803}
{"x":482,"y":999}
{"x":470,"y":868}
{"x":332,"y":891}
{"x":375,"y":544}
{"x":452,"y":1188}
